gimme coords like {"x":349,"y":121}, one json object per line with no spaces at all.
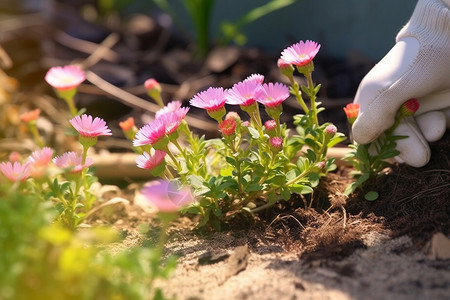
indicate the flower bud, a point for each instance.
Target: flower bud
{"x":330,"y":130}
{"x":154,"y":90}
{"x":351,"y":110}
{"x":276,"y":144}
{"x":228,"y":127}
{"x":31,"y":115}
{"x":128,"y":128}
{"x":409,"y":108}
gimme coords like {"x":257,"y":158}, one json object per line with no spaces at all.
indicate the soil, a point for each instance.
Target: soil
{"x":356,"y":249}
{"x":346,"y":248}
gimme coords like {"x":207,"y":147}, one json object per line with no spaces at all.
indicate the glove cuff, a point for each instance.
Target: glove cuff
{"x":430,"y":23}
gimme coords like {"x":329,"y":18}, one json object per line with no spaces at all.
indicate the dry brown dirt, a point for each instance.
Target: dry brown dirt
{"x":354,"y":249}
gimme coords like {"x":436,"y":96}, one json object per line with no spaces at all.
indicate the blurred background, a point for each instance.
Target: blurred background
{"x":187,"y":45}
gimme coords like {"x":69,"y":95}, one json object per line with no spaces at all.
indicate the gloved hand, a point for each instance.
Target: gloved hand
{"x":418,"y":66}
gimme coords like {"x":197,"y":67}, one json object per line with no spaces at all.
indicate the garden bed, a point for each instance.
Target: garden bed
{"x":343,"y":248}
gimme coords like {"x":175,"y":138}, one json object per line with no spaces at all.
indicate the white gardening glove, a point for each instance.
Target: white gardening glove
{"x":418,"y":66}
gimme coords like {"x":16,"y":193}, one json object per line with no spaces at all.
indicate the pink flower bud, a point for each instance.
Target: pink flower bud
{"x":330,"y":130}
{"x":276,"y":143}
{"x":409,"y":108}
{"x":151,"y":84}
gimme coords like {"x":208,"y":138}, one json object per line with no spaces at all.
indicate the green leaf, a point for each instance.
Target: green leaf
{"x":310,"y":155}
{"x":371,"y":196}
{"x":285,"y":194}
{"x":338,"y":138}
{"x":253,"y":132}
{"x":389,"y":154}
{"x":300,"y":189}
{"x":254,"y":187}
{"x":231,"y":160}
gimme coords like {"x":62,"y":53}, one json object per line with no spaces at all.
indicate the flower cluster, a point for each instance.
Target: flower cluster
{"x":253,"y":159}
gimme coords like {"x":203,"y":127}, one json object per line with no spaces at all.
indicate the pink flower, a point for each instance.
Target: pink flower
{"x":15,"y":171}
{"x":282,"y":64}
{"x":65,"y":78}
{"x":256,"y":76}
{"x":41,"y":157}
{"x":39,"y":160}
{"x":272,"y":95}
{"x":166,"y":197}
{"x":171,"y":121}
{"x":170,"y":107}
{"x":151,"y":133}
{"x":15,"y":156}
{"x":173,"y":107}
{"x":146,"y":161}
{"x":87,"y":127}
{"x":243,"y":93}
{"x":72,"y":162}
{"x":213,"y":99}
{"x":300,"y":54}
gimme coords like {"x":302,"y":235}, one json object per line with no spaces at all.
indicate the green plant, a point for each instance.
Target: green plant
{"x":371,"y":159}
{"x":42,"y":260}
{"x":254,"y":164}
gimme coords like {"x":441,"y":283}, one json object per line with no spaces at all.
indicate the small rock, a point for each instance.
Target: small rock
{"x":438,"y":247}
{"x":237,"y":262}
{"x":212,"y":257}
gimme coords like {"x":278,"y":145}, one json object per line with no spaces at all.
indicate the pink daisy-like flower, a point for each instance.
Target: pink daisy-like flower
{"x":273,"y":95}
{"x":149,"y":162}
{"x":170,"y":107}
{"x":39,"y":160}
{"x":213,"y":99}
{"x":65,"y":78}
{"x":300,"y":54}
{"x":282,"y":64}
{"x":171,"y":121}
{"x":244,"y":93}
{"x":41,"y":157}
{"x":150,"y":133}
{"x":72,"y":162}
{"x":173,"y":107}
{"x":87,"y":127}
{"x":15,"y":171}
{"x":256,"y":76}
{"x":167,"y":197}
